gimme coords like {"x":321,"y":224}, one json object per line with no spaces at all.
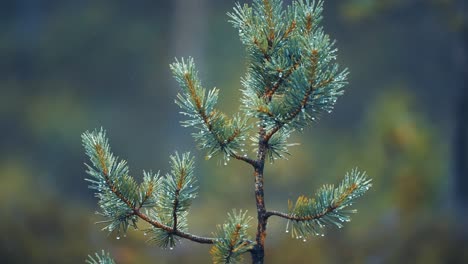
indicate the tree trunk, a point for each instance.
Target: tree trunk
{"x":461,"y":131}
{"x":258,"y":252}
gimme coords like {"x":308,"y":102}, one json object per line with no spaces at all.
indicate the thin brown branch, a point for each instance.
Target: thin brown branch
{"x":174,"y":209}
{"x":262,"y":50}
{"x":101,"y":157}
{"x":300,"y":219}
{"x":194,"y":238}
{"x":264,"y":110}
{"x":305,"y":100}
{"x":270,"y":92}
{"x":235,"y":236}
{"x":180,"y":183}
{"x":232,"y":243}
{"x":329,"y":209}
{"x":206,"y":120}
{"x":270,"y":23}
{"x":290,"y":29}
{"x":270,"y":33}
{"x":234,"y":135}
{"x":309,"y":24}
{"x":273,"y":131}
{"x":148,"y":194}
{"x":245,"y":159}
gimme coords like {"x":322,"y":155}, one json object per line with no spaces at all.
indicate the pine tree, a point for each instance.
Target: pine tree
{"x":292,"y":79}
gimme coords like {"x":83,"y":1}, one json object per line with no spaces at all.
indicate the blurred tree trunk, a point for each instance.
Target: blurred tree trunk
{"x":461,"y":128}
{"x":460,"y":148}
{"x":29,"y":20}
{"x":189,"y":28}
{"x":188,"y":39}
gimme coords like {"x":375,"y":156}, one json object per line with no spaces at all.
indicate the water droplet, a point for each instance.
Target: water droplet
{"x":304,"y":240}
{"x":125,"y":235}
{"x":118,"y":237}
{"x":145,"y":234}
{"x":287,"y":231}
{"x":171,"y":248}
{"x":245,"y":155}
{"x":225,"y":163}
{"x":191,"y":186}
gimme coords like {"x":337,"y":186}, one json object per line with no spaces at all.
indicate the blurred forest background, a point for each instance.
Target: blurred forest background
{"x":71,"y":66}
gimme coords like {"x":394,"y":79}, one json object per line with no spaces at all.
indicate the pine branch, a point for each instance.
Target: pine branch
{"x":268,"y":11}
{"x":218,"y":134}
{"x":308,"y":215}
{"x":147,"y":190}
{"x":115,"y":189}
{"x":122,"y":200}
{"x":293,"y":76}
{"x":233,"y":240}
{"x":282,"y":78}
{"x":103,"y":258}
{"x":276,"y":146}
{"x":175,"y":195}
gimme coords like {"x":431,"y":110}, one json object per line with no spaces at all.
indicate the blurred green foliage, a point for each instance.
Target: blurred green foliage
{"x":70,"y":66}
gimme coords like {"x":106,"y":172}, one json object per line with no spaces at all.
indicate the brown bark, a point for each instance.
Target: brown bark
{"x":258,"y":252}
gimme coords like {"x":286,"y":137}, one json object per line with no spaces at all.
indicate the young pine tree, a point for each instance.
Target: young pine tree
{"x":292,"y":78}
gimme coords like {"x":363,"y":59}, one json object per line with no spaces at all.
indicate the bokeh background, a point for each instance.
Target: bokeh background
{"x":70,"y":66}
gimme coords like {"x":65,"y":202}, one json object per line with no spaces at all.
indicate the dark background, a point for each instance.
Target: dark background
{"x":71,"y":66}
